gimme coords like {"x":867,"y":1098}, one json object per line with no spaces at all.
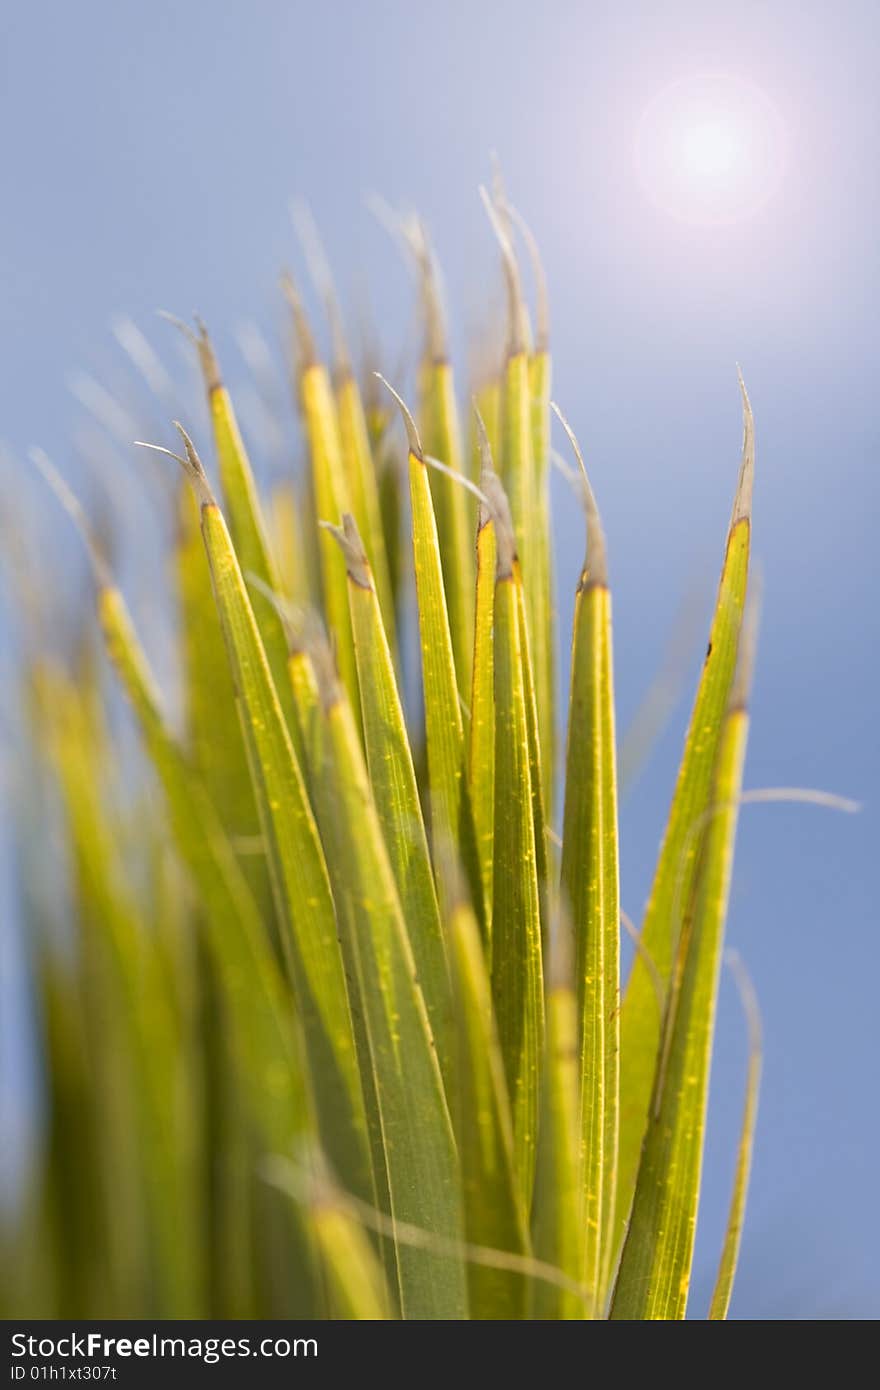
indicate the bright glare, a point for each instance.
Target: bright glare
{"x":710,"y":149}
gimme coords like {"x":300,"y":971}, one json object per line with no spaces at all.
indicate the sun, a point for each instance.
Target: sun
{"x":710,"y":149}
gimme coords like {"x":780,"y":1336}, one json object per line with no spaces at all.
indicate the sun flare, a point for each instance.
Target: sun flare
{"x":710,"y":150}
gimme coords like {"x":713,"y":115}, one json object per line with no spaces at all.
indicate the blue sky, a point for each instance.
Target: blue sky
{"x":148,"y":154}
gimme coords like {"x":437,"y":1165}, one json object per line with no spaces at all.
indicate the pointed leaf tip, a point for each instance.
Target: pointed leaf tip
{"x":417,"y":236}
{"x":486,"y":463}
{"x":348,"y":537}
{"x":412,"y":434}
{"x":190,"y":463}
{"x":321,"y":275}
{"x":542,"y":297}
{"x":411,"y":235}
{"x":742,"y":503}
{"x":499,"y":512}
{"x":482,"y":436}
{"x":202,"y":343}
{"x":511,"y":275}
{"x":494,"y":503}
{"x":305,"y":341}
{"x":208,"y":358}
{"x":193,"y":462}
{"x":65,"y":495}
{"x":597,"y":551}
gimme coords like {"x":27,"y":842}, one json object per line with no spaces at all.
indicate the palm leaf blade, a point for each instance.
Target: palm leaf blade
{"x":676,"y":866}
{"x":655,"y":1266}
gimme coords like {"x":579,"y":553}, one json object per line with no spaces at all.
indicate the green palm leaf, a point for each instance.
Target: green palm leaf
{"x":451,"y":815}
{"x":590,"y":885}
{"x":655,"y":1267}
{"x":393,"y":782}
{"x":680,"y":851}
{"x":494,"y":1214}
{"x":420,"y":1159}
{"x":558,"y":1217}
{"x":299,"y":873}
{"x":517,"y":987}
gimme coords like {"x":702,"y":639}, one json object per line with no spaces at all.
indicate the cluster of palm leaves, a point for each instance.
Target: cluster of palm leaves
{"x":331,"y":1021}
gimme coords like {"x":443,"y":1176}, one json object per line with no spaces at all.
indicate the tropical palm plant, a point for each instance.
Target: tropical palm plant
{"x":334,"y":1025}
